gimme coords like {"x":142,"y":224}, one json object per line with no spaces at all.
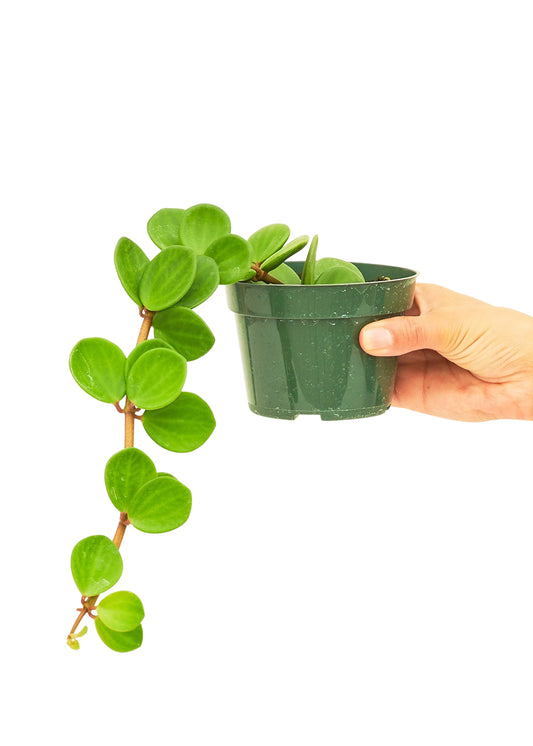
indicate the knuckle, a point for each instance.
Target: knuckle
{"x":412,"y":332}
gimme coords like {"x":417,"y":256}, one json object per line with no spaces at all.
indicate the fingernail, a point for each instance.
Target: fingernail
{"x":377,"y":338}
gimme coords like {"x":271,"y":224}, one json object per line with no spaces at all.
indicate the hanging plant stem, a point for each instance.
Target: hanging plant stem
{"x":129,"y":411}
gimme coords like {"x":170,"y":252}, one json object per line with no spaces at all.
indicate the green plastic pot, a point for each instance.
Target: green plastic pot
{"x":300,"y":343}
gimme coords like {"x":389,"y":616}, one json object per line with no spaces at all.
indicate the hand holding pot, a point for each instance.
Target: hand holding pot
{"x":460,"y":358}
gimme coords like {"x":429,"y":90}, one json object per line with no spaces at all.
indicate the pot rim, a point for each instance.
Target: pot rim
{"x":410,"y":274}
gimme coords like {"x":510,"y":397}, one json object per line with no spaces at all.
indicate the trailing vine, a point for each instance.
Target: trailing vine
{"x":197,"y":253}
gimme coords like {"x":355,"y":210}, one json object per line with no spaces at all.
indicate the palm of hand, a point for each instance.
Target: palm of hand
{"x":427,"y":382}
{"x":483,"y":368}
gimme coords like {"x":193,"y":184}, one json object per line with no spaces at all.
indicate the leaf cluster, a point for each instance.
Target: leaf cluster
{"x":197,"y":253}
{"x":154,"y":503}
{"x":96,"y":566}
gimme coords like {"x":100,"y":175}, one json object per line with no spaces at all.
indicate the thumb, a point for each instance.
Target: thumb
{"x":401,"y":334}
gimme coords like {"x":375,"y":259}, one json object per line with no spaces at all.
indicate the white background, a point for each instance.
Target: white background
{"x":356,"y":583}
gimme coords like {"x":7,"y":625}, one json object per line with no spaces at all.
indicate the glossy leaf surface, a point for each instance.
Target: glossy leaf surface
{"x":160,"y":505}
{"x":308,"y":271}
{"x":206,"y":281}
{"x":97,"y":365}
{"x":167,"y":278}
{"x":96,"y":565}
{"x":121,"y":611}
{"x":284,"y":253}
{"x":266,"y":241}
{"x":125,"y":472}
{"x":120,"y":642}
{"x":339,"y":275}
{"x":183,"y":426}
{"x":130,"y":264}
{"x":201,"y":225}
{"x":185,"y":331}
{"x":156,"y":378}
{"x":164,"y":227}
{"x":233,"y":256}
{"x":328,"y":263}
{"x":286,"y":274}
{"x":140,"y":349}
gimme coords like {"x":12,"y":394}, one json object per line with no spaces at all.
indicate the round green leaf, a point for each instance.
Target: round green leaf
{"x":185,"y":331}
{"x":201,"y":225}
{"x":266,"y":241}
{"x":140,"y":349}
{"x":160,"y":505}
{"x":286,"y":274}
{"x":233,"y":256}
{"x":121,"y":611}
{"x":284,"y":253}
{"x":183,"y":426}
{"x":125,"y":472}
{"x":120,"y":642}
{"x":339,"y":276}
{"x":164,"y":227}
{"x":328,"y":263}
{"x":206,"y":281}
{"x":167,"y":278}
{"x":96,"y":565}
{"x":308,"y":271}
{"x":156,"y":378}
{"x":130,"y":263}
{"x":97,"y":365}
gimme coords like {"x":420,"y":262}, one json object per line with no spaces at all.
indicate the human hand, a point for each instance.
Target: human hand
{"x":459,"y":358}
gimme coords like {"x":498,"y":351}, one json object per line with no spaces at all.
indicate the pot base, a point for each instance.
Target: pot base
{"x":326,"y":415}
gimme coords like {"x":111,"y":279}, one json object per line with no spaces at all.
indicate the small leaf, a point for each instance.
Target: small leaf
{"x":167,"y":278}
{"x":130,"y":263}
{"x":329,"y":262}
{"x":339,"y":276}
{"x":97,"y":365}
{"x":160,"y":505}
{"x":183,"y":426}
{"x":121,"y":611}
{"x":125,"y":472}
{"x":96,"y":565}
{"x":284,"y":253}
{"x":140,"y":349}
{"x":266,"y":241}
{"x":233,"y":256}
{"x":201,"y":225}
{"x":156,"y":378}
{"x":206,"y":281}
{"x":185,"y":331}
{"x":72,"y":639}
{"x":308,"y":271}
{"x":120,"y":642}
{"x":163,"y":227}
